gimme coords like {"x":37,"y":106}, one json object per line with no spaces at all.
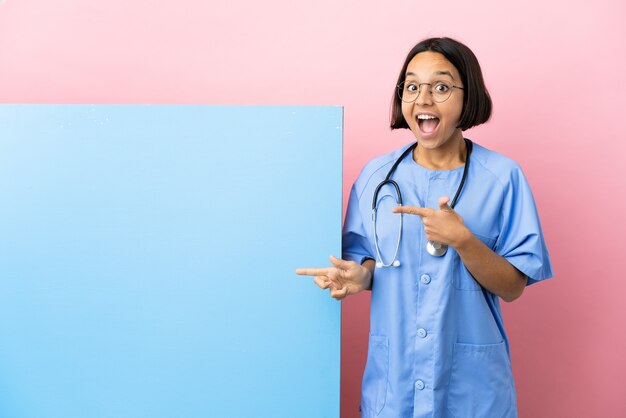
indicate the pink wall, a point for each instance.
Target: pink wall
{"x":556,"y":73}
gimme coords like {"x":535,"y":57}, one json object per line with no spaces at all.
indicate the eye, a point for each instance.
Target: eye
{"x":411,"y":88}
{"x":441,"y":88}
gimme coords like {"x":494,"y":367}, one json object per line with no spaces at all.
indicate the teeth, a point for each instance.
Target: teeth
{"x":424,"y":117}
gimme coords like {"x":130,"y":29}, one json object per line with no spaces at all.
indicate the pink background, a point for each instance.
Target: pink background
{"x":555,"y":70}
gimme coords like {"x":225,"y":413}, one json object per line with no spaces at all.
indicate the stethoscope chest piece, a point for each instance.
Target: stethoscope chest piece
{"x":436,"y":249}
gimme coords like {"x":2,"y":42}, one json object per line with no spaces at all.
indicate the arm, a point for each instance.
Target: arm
{"x":489,"y":269}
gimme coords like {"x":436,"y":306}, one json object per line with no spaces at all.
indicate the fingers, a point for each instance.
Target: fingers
{"x":326,"y":278}
{"x":443,"y":203}
{"x":423,"y":212}
{"x":339,"y":293}
{"x":312,"y":272}
{"x":412,"y":210}
{"x":340,"y":263}
{"x":322,"y":281}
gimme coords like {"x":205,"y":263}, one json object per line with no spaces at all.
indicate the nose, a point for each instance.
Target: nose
{"x":423,"y":95}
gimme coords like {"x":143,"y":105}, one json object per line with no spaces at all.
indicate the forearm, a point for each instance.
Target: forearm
{"x":489,"y":269}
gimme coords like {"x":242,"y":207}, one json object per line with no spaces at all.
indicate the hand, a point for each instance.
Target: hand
{"x":343,"y":277}
{"x":443,"y":225}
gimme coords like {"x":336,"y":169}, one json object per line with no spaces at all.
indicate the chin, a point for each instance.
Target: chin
{"x":438,"y":140}
{"x":429,"y":143}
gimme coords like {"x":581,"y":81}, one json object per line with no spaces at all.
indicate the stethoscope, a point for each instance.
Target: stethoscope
{"x":433,"y":248}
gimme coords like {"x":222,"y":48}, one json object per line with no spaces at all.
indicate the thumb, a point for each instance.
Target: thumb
{"x":339,"y":263}
{"x":443,"y":204}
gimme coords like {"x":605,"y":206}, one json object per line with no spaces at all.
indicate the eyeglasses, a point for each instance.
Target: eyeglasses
{"x":409,"y":91}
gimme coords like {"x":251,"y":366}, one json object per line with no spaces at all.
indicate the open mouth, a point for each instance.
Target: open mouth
{"x":427,"y":123}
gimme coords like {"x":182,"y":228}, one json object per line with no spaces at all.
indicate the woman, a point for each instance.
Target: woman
{"x":437,"y":343}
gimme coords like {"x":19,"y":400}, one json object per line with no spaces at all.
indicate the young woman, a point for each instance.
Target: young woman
{"x":439,"y":230}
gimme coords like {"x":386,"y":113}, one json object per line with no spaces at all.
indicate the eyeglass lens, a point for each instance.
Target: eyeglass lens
{"x":409,"y":91}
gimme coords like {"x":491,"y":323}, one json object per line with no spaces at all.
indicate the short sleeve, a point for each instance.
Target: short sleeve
{"x":521,"y":239}
{"x":355,"y":245}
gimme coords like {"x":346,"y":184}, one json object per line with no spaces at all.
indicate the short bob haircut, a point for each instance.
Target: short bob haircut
{"x":476,"y":100}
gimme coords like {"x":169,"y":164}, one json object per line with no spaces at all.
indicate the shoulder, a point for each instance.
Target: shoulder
{"x":376,"y":169}
{"x":496,"y":166}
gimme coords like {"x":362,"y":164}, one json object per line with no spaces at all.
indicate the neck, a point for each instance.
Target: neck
{"x":450,"y":156}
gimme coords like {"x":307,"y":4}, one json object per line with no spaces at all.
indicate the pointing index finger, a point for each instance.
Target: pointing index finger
{"x":412,"y":210}
{"x":312,"y":271}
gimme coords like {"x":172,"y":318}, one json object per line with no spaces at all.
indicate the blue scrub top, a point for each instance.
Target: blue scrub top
{"x":437,"y":345}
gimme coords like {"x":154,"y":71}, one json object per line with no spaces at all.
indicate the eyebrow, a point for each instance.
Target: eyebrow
{"x":448,"y":73}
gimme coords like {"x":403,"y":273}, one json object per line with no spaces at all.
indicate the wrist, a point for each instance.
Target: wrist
{"x":369,"y":265}
{"x":367,"y":282}
{"x":463,"y":238}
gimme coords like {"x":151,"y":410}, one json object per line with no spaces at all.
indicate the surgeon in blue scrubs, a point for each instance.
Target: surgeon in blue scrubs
{"x":437,"y":345}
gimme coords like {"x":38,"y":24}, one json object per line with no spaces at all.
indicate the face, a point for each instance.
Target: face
{"x":433,"y":124}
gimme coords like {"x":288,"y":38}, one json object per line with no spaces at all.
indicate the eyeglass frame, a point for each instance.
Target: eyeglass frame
{"x":430,"y":90}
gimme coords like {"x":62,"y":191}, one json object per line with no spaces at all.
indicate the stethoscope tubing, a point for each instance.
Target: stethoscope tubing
{"x":432,"y":247}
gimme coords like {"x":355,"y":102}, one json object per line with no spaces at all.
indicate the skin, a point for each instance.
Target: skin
{"x":443,"y":150}
{"x":446,"y":149}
